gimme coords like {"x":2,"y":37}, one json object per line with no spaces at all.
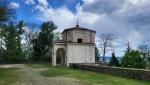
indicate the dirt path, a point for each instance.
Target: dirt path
{"x":31,"y":76}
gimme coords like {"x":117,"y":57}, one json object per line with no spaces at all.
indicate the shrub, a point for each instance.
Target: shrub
{"x":133,"y":59}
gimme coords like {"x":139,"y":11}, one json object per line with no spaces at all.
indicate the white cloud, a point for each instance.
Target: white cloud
{"x":128,"y":20}
{"x":62,"y":17}
{"x":102,"y":6}
{"x":129,"y":23}
{"x":86,"y":17}
{"x":89,"y":1}
{"x":14,"y":5}
{"x":138,"y":2}
{"x":29,"y":2}
{"x":43,"y":3}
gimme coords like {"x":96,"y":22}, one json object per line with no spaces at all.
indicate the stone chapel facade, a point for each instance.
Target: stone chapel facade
{"x":77,"y":45}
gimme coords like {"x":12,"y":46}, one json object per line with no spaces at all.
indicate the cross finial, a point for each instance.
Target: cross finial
{"x":77,"y":23}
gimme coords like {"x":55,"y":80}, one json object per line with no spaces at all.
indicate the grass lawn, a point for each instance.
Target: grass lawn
{"x":8,"y":76}
{"x":90,"y":77}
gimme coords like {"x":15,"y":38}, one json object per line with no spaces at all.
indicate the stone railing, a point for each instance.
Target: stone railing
{"x":140,"y":74}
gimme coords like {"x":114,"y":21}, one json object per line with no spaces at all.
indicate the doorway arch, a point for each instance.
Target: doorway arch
{"x":60,"y":56}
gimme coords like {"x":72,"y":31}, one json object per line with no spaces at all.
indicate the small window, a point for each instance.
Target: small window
{"x":79,"y":40}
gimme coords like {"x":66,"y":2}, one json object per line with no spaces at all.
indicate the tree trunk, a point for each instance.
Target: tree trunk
{"x":104,"y":51}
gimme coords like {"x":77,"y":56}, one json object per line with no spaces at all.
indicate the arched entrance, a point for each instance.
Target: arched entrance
{"x":60,"y":56}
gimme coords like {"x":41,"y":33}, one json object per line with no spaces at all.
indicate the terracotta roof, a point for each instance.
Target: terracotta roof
{"x":78,"y":28}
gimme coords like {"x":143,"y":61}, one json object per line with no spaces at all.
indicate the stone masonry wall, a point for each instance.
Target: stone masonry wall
{"x":124,"y":72}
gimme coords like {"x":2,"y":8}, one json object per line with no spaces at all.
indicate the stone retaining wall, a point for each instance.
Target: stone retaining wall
{"x":125,"y":72}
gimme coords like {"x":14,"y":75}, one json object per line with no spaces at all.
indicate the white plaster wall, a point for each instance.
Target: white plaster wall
{"x":69,"y":36}
{"x":93,"y":37}
{"x":79,"y":34}
{"x":87,"y":36}
{"x":80,"y":53}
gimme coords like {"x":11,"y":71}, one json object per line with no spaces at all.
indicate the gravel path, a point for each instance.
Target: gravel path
{"x":31,"y":76}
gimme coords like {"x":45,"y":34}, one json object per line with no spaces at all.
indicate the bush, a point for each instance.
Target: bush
{"x":133,"y":59}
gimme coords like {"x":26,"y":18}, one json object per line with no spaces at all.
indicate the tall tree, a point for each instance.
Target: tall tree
{"x":2,"y":43}
{"x":43,"y":44}
{"x":47,"y":29}
{"x":7,"y":15}
{"x":106,"y":43}
{"x":11,"y":44}
{"x":29,"y":36}
{"x":20,"y":31}
{"x":128,"y":47}
{"x":2,"y":36}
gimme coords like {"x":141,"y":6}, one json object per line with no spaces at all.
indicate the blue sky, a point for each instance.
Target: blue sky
{"x":26,"y":10}
{"x":128,"y":20}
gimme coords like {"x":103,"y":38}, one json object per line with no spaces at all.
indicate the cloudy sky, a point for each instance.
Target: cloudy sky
{"x":128,"y":20}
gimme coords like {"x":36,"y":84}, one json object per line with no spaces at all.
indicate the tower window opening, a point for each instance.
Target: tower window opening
{"x":79,"y":40}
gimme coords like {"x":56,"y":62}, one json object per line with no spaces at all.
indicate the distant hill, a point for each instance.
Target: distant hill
{"x":107,"y":58}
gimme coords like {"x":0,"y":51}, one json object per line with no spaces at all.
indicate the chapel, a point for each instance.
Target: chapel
{"x":76,"y":46}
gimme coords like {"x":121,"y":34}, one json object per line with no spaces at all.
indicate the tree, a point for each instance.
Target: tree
{"x":7,"y":14}
{"x":145,"y":51}
{"x":114,"y":61}
{"x":47,"y":29}
{"x":37,"y":50}
{"x":2,"y":43}
{"x":106,"y":43}
{"x":133,"y":59}
{"x":29,"y":36}
{"x":96,"y":53}
{"x":57,"y":36}
{"x":2,"y":37}
{"x":20,"y":31}
{"x":12,"y":45}
{"x":44,"y":42}
{"x":128,"y":47}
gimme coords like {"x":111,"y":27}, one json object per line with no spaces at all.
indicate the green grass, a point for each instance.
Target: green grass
{"x":91,"y":77}
{"x":8,"y":76}
{"x":38,"y":65}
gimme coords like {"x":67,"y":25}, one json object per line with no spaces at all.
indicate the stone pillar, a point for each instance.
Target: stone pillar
{"x":67,"y":64}
{"x":54,"y":57}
